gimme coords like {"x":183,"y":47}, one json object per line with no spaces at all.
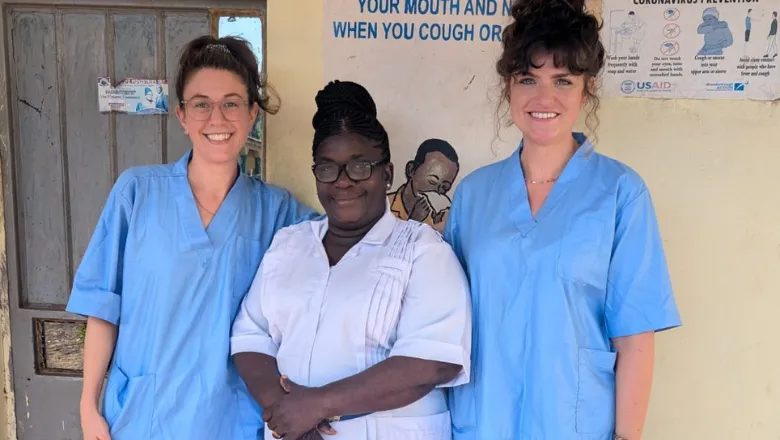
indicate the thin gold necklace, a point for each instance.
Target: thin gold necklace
{"x":201,"y":205}
{"x":539,"y":182}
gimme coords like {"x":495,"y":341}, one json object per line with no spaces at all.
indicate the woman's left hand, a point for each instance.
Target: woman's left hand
{"x":301,"y":410}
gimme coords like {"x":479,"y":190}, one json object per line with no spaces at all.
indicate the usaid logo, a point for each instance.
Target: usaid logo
{"x":627,"y":86}
{"x":654,"y":86}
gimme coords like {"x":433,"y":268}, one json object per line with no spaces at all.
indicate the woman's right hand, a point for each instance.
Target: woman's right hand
{"x":94,"y":426}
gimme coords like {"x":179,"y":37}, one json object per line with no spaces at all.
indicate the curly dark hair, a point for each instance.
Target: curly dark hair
{"x":233,"y":54}
{"x":562,"y":28}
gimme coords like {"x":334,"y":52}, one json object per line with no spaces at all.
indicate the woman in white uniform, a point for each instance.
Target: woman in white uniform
{"x":366,"y":316}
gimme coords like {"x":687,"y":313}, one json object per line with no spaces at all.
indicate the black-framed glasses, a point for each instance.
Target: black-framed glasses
{"x":233,"y":109}
{"x":357,"y":170}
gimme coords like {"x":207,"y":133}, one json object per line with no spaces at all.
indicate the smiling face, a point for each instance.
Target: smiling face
{"x":216,"y":138}
{"x":350,"y":204}
{"x":545,"y":102}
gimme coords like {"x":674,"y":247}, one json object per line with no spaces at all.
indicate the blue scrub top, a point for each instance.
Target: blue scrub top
{"x":549,"y":293}
{"x":174,"y":288}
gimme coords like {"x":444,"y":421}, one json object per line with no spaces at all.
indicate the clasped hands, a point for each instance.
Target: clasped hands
{"x":299,"y":414}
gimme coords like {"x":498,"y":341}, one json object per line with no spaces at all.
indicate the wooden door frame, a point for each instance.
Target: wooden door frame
{"x":8,"y":401}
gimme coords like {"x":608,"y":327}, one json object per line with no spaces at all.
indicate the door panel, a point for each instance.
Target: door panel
{"x":63,"y":159}
{"x":40,"y":168}
{"x":87,"y":133}
{"x":138,"y":139}
{"x":180,"y":28}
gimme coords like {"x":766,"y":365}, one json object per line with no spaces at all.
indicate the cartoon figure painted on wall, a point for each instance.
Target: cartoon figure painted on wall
{"x":429,"y":177}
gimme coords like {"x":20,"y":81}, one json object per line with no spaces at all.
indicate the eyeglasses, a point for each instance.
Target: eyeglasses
{"x":200,"y":109}
{"x":357,"y":170}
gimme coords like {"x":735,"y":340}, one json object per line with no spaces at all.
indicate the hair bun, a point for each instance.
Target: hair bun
{"x":524,"y":10}
{"x":343,"y":97}
{"x":347,"y":107}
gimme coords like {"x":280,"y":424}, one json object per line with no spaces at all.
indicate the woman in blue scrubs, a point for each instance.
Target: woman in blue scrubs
{"x":173,"y":254}
{"x":562,"y":248}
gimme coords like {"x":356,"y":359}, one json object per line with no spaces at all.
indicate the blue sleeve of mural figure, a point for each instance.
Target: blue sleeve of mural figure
{"x":97,"y":285}
{"x":639,"y":292}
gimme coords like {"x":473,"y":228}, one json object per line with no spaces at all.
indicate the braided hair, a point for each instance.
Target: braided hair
{"x":347,"y":107}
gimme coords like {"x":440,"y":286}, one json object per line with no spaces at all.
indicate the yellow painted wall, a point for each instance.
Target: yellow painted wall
{"x":295,"y":70}
{"x":711,"y":166}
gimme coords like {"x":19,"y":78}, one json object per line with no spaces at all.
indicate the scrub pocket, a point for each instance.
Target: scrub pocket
{"x":596,"y":392}
{"x":433,"y":427}
{"x":130,"y":405}
{"x":246,"y":264}
{"x":583,"y":258}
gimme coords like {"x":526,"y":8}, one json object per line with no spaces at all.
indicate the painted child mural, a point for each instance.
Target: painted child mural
{"x":429,"y":178}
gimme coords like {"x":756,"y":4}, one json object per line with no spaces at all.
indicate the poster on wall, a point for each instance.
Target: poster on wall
{"x":133,"y":96}
{"x":697,"y":49}
{"x":430,"y":67}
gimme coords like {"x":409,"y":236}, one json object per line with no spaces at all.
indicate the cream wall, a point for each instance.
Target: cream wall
{"x":295,"y":70}
{"x":711,"y":166}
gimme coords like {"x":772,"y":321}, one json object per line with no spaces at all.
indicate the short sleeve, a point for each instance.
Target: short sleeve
{"x":435,"y":319}
{"x":639,"y":291}
{"x":250,"y":331}
{"x":97,"y":284}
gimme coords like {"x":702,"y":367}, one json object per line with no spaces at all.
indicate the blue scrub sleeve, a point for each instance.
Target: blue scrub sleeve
{"x":450,"y":232}
{"x":639,"y":291}
{"x":292,"y":211}
{"x":97,"y":284}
